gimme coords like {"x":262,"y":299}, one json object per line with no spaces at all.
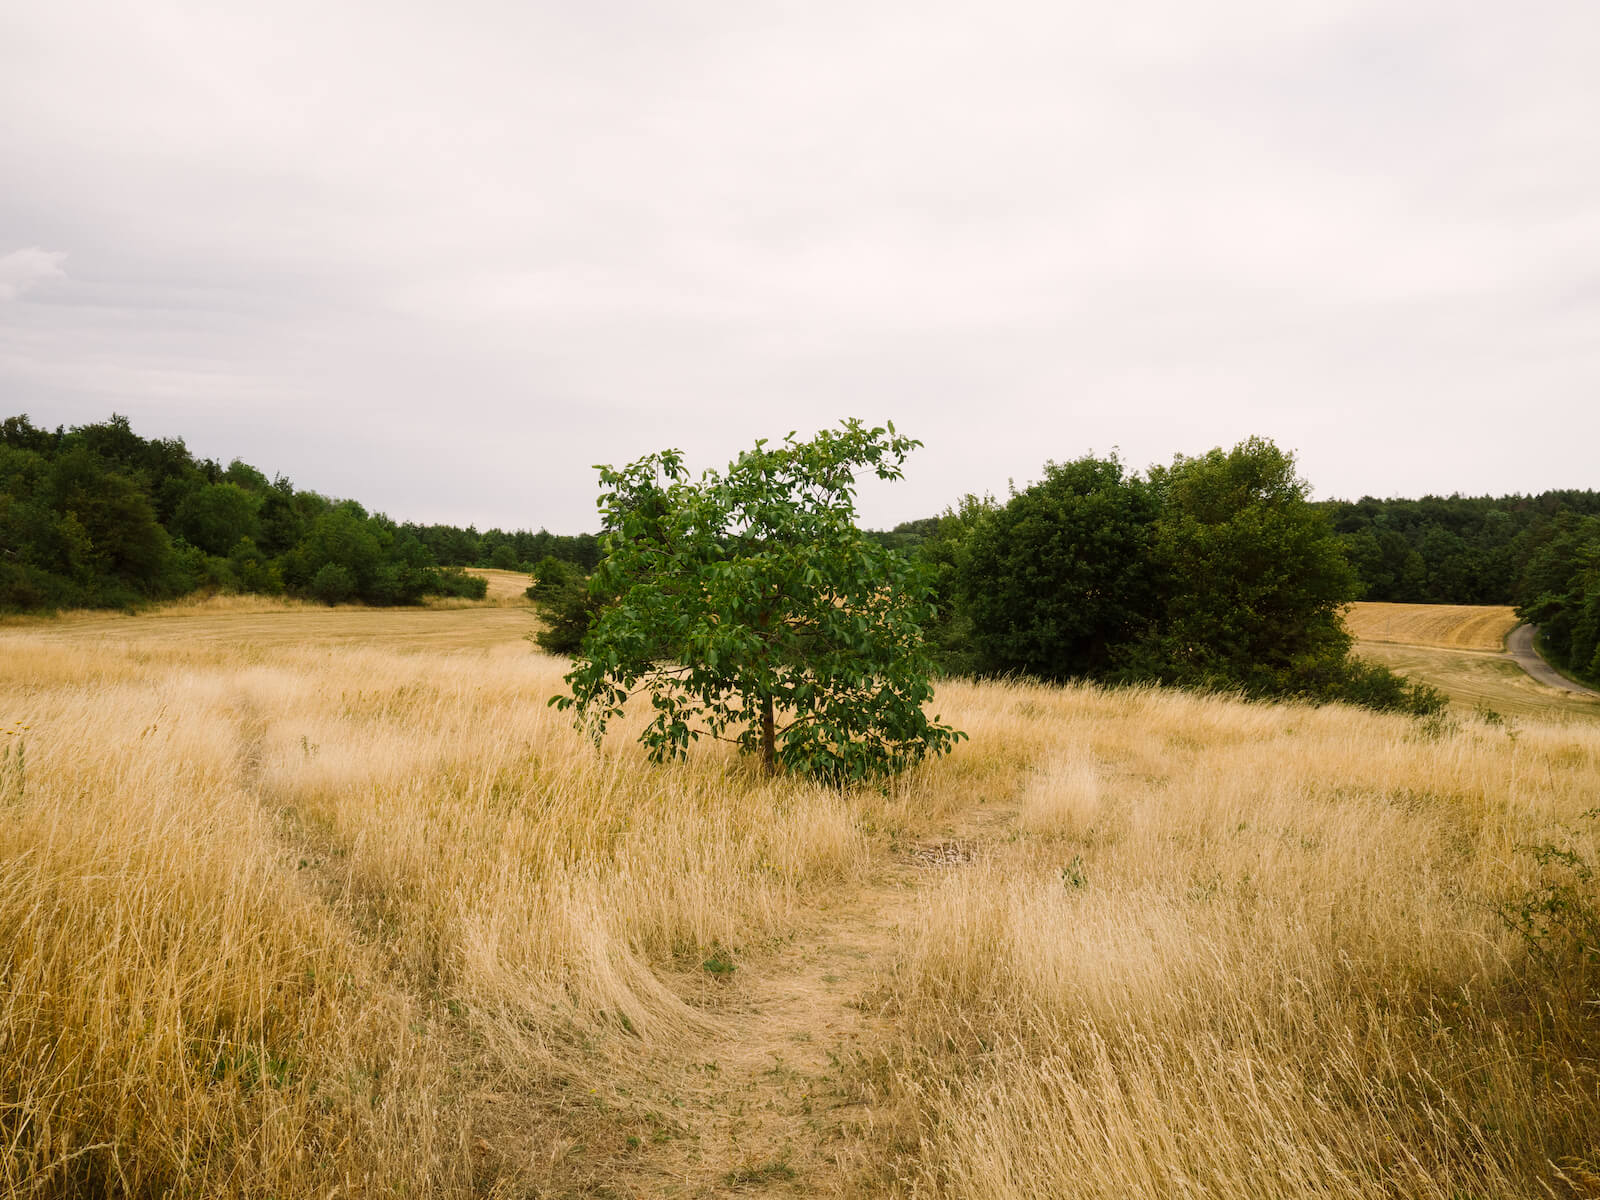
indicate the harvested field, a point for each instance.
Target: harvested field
{"x":504,"y":586}
{"x":313,"y":902}
{"x":1458,"y":648}
{"x":1448,"y":626}
{"x":1474,"y":679}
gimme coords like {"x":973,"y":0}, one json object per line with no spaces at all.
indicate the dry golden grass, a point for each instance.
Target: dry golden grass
{"x":299,"y":901}
{"x":1457,"y":648}
{"x":276,"y":913}
{"x":1474,"y":679}
{"x":1448,"y":626}
{"x":1254,"y":952}
{"x":504,"y":586}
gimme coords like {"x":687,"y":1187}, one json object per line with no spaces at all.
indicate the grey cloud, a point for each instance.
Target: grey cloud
{"x":22,"y":269}
{"x":445,"y":260}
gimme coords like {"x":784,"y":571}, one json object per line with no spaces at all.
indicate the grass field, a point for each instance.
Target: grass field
{"x":1475,"y":679}
{"x":1458,"y":649}
{"x":1446,"y":626}
{"x":327,"y":902}
{"x":505,"y":586}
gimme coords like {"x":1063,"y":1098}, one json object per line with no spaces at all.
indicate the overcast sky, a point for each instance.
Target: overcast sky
{"x":443,"y":258}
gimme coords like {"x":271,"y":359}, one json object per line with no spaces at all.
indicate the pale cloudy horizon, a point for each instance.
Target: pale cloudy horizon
{"x":444,"y":260}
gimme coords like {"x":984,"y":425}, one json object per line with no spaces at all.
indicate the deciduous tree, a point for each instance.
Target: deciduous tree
{"x":749,"y":607}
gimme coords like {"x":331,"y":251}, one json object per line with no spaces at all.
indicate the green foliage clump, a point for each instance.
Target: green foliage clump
{"x":1215,"y":572}
{"x":333,"y":583}
{"x":561,"y":595}
{"x":217,"y":516}
{"x":452,"y":581}
{"x":1061,"y":578}
{"x":749,"y":601}
{"x":1253,"y":580}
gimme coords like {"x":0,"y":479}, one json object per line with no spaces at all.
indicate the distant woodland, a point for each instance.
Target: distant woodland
{"x":97,"y":516}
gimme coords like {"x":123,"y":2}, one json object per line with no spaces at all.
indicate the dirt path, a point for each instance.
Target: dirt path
{"x":777,"y":1105}
{"x":785,"y":1101}
{"x":1519,"y":648}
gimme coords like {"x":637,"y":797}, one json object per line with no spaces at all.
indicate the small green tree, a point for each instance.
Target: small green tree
{"x":749,"y":601}
{"x":561,"y":596}
{"x":333,"y":584}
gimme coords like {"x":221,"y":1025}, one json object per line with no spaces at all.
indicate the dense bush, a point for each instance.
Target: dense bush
{"x":561,"y":594}
{"x":1252,"y":580}
{"x":333,"y":583}
{"x":1061,"y":580}
{"x":1215,"y":572}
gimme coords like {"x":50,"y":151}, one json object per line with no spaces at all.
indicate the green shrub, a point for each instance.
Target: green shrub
{"x":560,"y":595}
{"x":453,"y":581}
{"x":333,"y":584}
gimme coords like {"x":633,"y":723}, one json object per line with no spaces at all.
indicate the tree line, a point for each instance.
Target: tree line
{"x":1177,"y":575}
{"x":1453,"y":549}
{"x":97,"y":516}
{"x":1214,"y":572}
{"x":1538,"y":553}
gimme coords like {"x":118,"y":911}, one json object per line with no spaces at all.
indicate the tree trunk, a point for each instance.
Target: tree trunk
{"x":769,"y":737}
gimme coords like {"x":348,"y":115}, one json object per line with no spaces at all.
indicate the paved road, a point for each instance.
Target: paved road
{"x":1520,"y":646}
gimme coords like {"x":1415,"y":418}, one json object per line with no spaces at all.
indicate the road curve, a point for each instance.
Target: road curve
{"x":1519,"y":645}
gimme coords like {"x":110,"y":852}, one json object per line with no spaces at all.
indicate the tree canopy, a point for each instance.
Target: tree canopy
{"x":749,"y":607}
{"x":1059,"y":578}
{"x":1254,"y":579}
{"x":1212,"y":572}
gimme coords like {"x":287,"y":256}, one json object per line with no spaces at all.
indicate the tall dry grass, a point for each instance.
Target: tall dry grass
{"x":277,"y":923}
{"x":1253,"y":951}
{"x":361,"y":915}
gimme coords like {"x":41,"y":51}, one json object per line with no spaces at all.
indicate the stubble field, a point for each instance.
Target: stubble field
{"x":1446,"y":626}
{"x":1458,"y":648}
{"x":298,"y":901}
